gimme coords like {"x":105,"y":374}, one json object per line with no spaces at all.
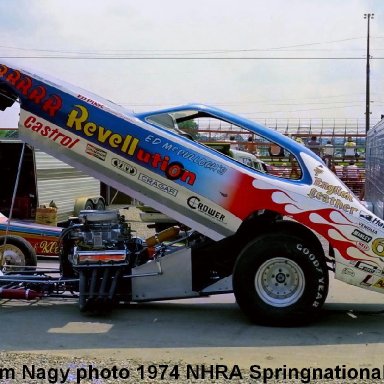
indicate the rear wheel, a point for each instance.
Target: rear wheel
{"x":89,"y":205}
{"x":16,"y":251}
{"x":100,"y":205}
{"x":280,"y":280}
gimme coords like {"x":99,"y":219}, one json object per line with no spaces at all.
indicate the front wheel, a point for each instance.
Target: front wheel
{"x":279,"y":280}
{"x":16,"y":251}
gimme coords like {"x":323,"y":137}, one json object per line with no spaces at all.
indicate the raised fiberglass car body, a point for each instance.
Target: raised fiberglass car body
{"x":266,"y":229}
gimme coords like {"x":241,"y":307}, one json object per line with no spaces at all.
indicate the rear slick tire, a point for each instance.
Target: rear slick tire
{"x":279,"y":280}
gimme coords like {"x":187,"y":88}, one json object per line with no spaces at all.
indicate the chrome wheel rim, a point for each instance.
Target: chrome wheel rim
{"x":12,"y":255}
{"x":280,"y":282}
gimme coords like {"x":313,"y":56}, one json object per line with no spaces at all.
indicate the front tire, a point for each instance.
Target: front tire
{"x":280,"y":280}
{"x":17,"y":252}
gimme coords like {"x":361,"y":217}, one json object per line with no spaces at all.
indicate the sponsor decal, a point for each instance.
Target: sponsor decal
{"x":196,"y":158}
{"x":378,"y":247}
{"x":54,"y":134}
{"x":348,"y":271}
{"x":37,"y":94}
{"x":369,"y":229}
{"x":90,"y":101}
{"x":96,"y":152}
{"x":124,"y":166}
{"x":78,"y":120}
{"x":362,"y":246}
{"x":47,"y":247}
{"x":195,"y":203}
{"x":371,"y":219}
{"x":362,"y":236}
{"x":332,"y":201}
{"x":318,"y":171}
{"x":366,"y":282}
{"x":379,"y":283}
{"x":333,"y":189}
{"x":173,"y":170}
{"x":366,"y":267}
{"x":158,"y":184}
{"x":185,"y":154}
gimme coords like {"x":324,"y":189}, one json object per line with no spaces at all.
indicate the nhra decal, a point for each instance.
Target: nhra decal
{"x":54,"y":134}
{"x":37,"y":94}
{"x":96,"y":152}
{"x":158,"y":184}
{"x":195,"y":203}
{"x":124,"y":166}
{"x":362,"y":236}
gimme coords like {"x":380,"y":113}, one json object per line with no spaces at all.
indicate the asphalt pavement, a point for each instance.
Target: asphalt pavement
{"x":209,"y":330}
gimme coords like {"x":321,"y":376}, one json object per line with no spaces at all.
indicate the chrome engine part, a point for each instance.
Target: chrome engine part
{"x":103,"y":237}
{"x":100,"y":248}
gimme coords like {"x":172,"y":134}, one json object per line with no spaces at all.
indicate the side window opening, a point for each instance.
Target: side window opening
{"x":234,"y":141}
{"x":168,"y":122}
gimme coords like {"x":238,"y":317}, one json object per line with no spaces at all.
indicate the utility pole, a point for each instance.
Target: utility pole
{"x":367,"y":16}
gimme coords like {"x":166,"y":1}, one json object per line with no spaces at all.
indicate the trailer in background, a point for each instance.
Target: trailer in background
{"x":374,"y":162}
{"x":42,"y":179}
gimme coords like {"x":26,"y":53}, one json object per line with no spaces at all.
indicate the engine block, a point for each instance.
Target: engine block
{"x":102,"y":237}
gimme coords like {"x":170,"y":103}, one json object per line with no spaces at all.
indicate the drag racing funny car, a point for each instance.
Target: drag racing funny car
{"x":272,"y":239}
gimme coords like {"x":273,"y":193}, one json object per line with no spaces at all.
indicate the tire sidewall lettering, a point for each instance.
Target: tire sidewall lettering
{"x":311,"y":256}
{"x":316,"y":263}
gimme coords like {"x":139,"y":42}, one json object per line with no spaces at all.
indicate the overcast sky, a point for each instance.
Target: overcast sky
{"x":251,"y":57}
